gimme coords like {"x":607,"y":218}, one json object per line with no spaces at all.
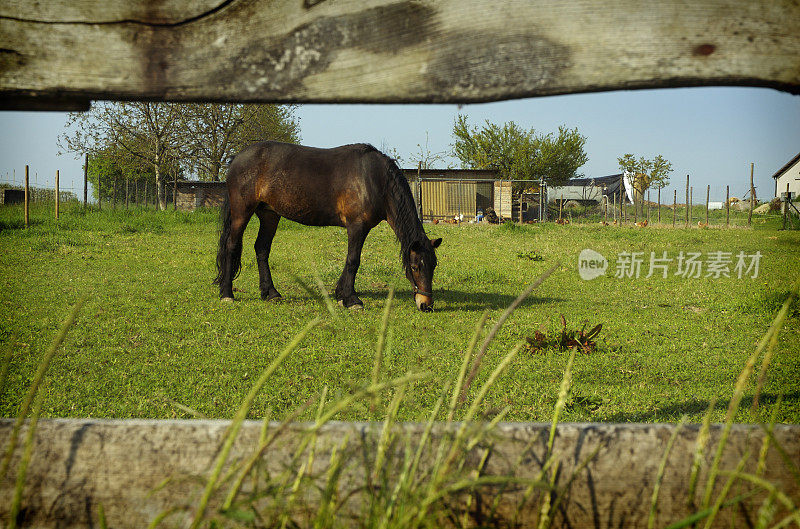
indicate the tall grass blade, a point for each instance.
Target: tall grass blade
{"x":662,"y":467}
{"x":769,"y":487}
{"x":19,"y":487}
{"x":693,"y":519}
{"x":741,"y":383}
{"x":6,"y":366}
{"x":101,"y":516}
{"x":326,"y":299}
{"x":725,"y":490}
{"x":239,"y":418}
{"x":37,"y":380}
{"x":550,"y":459}
{"x":381,"y":342}
{"x":766,"y":513}
{"x":465,"y":364}
{"x":563,"y":393}
{"x":327,"y":512}
{"x":699,"y":451}
{"x":493,"y":332}
{"x":442,"y":468}
{"x":787,"y":459}
{"x":264,"y":443}
{"x":386,"y":432}
{"x":306,"y":466}
{"x":762,"y":455}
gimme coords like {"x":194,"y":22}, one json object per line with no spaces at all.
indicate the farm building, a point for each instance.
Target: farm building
{"x":195,"y":194}
{"x":589,"y":191}
{"x":12,"y":196}
{"x":789,"y":175}
{"x":442,"y":194}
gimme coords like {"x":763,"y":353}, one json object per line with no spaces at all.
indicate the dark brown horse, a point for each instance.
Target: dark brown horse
{"x":354,"y":186}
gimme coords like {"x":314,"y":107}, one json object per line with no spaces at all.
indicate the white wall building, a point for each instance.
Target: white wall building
{"x":788,"y":174}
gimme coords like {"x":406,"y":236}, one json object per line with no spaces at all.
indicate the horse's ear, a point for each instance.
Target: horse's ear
{"x":436,"y":242}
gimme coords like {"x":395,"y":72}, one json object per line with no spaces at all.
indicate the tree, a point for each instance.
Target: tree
{"x":645,"y":173}
{"x":146,"y":130}
{"x":520,"y":154}
{"x":115,"y":173}
{"x":213,"y":133}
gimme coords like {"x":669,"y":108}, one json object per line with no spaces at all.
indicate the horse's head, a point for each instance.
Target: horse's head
{"x":421,"y":262}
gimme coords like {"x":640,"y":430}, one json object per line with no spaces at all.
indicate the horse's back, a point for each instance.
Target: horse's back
{"x":312,"y":185}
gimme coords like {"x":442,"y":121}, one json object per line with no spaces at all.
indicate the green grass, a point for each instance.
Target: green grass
{"x":153,"y":330}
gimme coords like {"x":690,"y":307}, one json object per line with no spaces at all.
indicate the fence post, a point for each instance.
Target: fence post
{"x":687,"y":200}
{"x":56,"y":194}
{"x":85,"y":177}
{"x":659,"y":205}
{"x":786,"y":207}
{"x":114,"y":193}
{"x":27,"y":197}
{"x":727,"y":206}
{"x":648,"y":207}
{"x":708,"y":192}
{"x":752,"y":196}
{"x":674,"y":206}
{"x":691,"y":201}
{"x":127,"y":192}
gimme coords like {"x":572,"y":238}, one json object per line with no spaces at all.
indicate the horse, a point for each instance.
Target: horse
{"x":352,"y":186}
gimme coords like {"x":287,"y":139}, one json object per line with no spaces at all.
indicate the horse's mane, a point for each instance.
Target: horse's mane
{"x":407,"y":225}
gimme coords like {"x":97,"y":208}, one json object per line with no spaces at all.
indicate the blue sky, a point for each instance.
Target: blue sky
{"x":712,"y":134}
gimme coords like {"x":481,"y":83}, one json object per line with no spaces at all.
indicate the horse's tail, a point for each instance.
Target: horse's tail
{"x":222,"y":251}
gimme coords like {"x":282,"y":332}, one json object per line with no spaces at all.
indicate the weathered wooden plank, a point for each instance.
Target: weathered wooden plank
{"x":387,"y":51}
{"x":79,"y":465}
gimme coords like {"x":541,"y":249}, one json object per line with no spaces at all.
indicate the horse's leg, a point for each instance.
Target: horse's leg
{"x":233,"y":247}
{"x":345,"y":288}
{"x":268,"y":223}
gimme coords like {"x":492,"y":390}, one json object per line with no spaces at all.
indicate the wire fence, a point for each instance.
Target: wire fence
{"x":122,"y":193}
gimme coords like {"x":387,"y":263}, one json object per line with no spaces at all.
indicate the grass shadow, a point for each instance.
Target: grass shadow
{"x":696,"y":407}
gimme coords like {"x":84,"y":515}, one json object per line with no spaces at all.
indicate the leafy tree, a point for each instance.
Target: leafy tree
{"x":645,"y":173}
{"x":198,"y":138}
{"x":114,"y":172}
{"x":213,"y":133}
{"x":146,"y":130}
{"x":520,"y":154}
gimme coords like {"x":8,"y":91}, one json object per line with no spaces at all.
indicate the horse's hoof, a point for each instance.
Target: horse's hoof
{"x":227,"y":300}
{"x":353,"y":306}
{"x":274,"y":296}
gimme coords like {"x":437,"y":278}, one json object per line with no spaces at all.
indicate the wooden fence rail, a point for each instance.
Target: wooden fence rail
{"x":60,"y":54}
{"x":80,"y":465}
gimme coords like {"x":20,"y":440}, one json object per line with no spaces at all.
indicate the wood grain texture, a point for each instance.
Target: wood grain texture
{"x":78,"y":465}
{"x":387,"y":51}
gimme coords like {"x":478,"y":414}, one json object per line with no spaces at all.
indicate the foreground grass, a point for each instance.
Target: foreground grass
{"x":154,"y":333}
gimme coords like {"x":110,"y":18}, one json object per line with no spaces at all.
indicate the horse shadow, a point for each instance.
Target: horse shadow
{"x":449,"y":300}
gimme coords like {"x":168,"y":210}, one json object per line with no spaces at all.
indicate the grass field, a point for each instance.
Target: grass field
{"x":154,"y":333}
